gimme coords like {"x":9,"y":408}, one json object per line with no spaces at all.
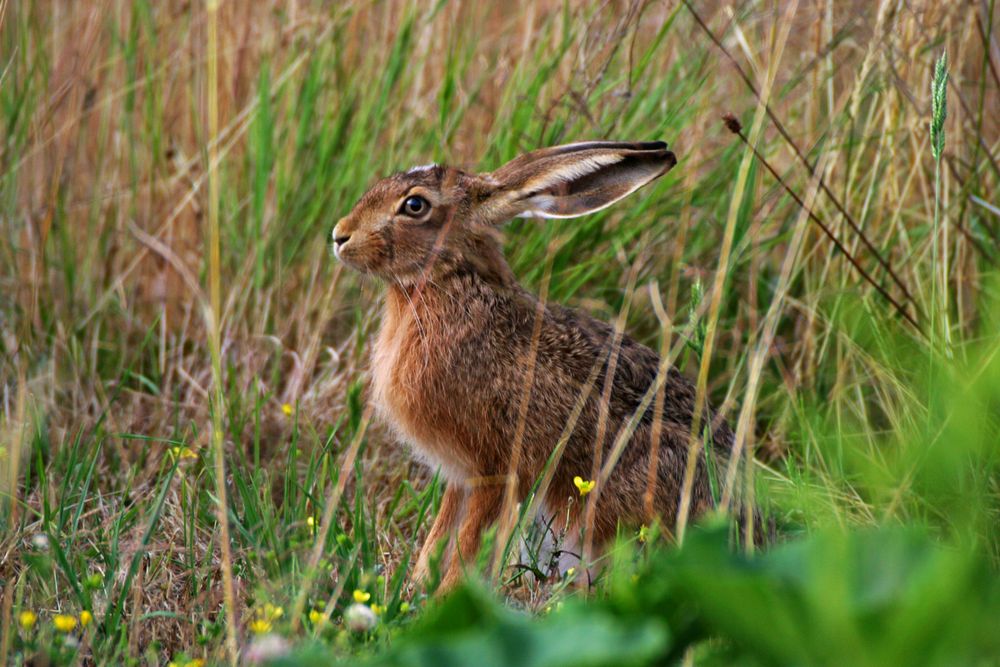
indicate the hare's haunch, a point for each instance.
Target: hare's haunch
{"x":459,"y":347}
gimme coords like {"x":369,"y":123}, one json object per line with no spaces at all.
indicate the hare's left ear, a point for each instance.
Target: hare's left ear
{"x":571,"y":180}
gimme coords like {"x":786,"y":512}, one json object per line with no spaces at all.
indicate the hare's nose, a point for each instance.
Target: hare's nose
{"x":340,"y":235}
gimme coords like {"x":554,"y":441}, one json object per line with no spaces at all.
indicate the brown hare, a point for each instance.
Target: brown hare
{"x":459,"y":344}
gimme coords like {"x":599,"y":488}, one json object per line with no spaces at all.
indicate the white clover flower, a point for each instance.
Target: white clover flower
{"x":266,"y":648}
{"x":360,"y":618}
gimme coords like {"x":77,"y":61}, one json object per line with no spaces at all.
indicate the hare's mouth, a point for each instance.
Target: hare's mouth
{"x":367,"y":257}
{"x":349,"y":256}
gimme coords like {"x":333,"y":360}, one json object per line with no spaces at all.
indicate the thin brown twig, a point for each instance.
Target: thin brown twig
{"x":803,"y":159}
{"x":733,"y":125}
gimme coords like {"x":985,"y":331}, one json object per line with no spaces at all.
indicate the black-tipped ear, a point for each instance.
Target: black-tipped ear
{"x":575,"y":179}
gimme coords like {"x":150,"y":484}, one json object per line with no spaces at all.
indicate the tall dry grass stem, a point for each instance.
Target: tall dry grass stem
{"x":213,"y":323}
{"x":656,"y":429}
{"x":604,"y":407}
{"x":508,"y":513}
{"x":695,"y":440}
{"x":763,"y":347}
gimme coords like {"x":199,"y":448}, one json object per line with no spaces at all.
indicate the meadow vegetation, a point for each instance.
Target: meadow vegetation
{"x":189,"y":466}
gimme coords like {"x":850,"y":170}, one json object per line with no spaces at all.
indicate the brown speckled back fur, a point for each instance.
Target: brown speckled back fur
{"x":452,"y":360}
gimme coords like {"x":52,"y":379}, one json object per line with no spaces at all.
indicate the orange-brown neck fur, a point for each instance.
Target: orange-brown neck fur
{"x":413,"y":366}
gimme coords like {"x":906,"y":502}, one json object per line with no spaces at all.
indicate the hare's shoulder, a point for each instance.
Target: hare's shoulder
{"x":587,"y":339}
{"x":583,"y":341}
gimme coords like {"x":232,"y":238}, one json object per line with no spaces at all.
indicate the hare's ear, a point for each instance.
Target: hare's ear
{"x":571,"y":180}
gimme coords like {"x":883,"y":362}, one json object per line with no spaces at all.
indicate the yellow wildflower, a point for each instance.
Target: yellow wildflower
{"x":197,"y":662}
{"x":584,"y":486}
{"x":643,"y":533}
{"x":64,"y":622}
{"x":287,"y":409}
{"x":361,"y":597}
{"x":404,"y":607}
{"x":260,"y":626}
{"x":315,"y":617}
{"x":272,"y":612}
{"x":570,"y":572}
{"x":378,"y":609}
{"x":27,"y":619}
{"x":86,"y":618}
{"x":182,"y":453}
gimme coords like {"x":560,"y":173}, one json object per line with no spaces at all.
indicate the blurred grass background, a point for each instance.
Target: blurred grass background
{"x":858,"y":420}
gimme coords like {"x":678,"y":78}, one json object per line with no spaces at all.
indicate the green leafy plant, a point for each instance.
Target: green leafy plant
{"x":887,"y":597}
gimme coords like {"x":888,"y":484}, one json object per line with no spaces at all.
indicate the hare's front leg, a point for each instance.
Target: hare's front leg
{"x":482,"y":509}
{"x":444,"y":524}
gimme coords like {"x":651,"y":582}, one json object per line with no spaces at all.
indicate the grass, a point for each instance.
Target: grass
{"x":188,"y":454}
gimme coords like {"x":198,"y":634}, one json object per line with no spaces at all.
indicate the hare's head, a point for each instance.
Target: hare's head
{"x":434,"y":218}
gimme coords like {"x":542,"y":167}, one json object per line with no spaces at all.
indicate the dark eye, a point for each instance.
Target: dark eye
{"x":415,"y":206}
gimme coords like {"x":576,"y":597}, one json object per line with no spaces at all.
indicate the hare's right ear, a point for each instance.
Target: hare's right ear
{"x":571,"y":180}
